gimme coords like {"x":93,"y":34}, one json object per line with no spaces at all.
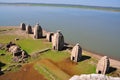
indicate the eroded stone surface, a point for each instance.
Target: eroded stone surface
{"x":17,"y":52}
{"x":58,"y":41}
{"x":103,"y":65}
{"x":76,"y":53}
{"x":93,"y":77}
{"x":28,"y":29}
{"x":49,"y":36}
{"x":23,"y":26}
{"x":38,"y":31}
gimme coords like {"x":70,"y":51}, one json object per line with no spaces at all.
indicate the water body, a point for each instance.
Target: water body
{"x":95,"y":30}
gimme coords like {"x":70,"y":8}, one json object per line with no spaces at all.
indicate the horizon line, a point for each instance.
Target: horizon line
{"x":115,"y":9}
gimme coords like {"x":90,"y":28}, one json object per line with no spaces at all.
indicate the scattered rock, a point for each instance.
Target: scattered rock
{"x":19,"y":55}
{"x":15,"y":59}
{"x":14,"y":49}
{"x":9,"y":45}
{"x":16,"y":39}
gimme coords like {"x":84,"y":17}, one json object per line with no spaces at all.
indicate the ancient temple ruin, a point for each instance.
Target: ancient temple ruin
{"x":76,"y":53}
{"x":58,"y":41}
{"x":28,"y":29}
{"x":49,"y":36}
{"x":17,"y":52}
{"x":38,"y":31}
{"x":103,"y":65}
{"x":23,"y":26}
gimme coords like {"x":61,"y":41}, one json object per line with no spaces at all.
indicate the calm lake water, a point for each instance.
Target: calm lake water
{"x":95,"y":30}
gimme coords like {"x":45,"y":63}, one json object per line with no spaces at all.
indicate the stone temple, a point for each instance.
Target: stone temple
{"x":103,"y":65}
{"x":58,"y":41}
{"x":76,"y":53}
{"x":28,"y":29}
{"x":23,"y":26}
{"x":38,"y":31}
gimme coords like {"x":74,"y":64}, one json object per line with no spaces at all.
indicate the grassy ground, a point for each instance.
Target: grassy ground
{"x":58,"y":64}
{"x":52,"y":64}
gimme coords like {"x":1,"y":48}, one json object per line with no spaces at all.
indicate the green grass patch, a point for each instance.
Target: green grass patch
{"x":30,"y":45}
{"x":6,"y":58}
{"x":7,"y":38}
{"x":55,"y":55}
{"x":85,"y":67}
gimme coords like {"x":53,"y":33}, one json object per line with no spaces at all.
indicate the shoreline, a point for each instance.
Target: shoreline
{"x":113,"y":62}
{"x":101,"y":54}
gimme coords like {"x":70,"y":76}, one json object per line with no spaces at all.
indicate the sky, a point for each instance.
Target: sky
{"x":108,"y":3}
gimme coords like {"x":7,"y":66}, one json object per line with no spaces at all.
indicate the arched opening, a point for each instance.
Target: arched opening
{"x":73,"y":58}
{"x":99,"y":72}
{"x":54,"y":47}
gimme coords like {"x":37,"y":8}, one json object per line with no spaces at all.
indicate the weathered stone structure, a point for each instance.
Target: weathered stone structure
{"x":9,"y":45}
{"x":58,"y":41}
{"x":28,"y":29}
{"x":76,"y":53}
{"x":93,"y":77}
{"x":38,"y":31}
{"x":14,"y":49}
{"x":17,"y":52}
{"x":23,"y":26}
{"x":103,"y":65}
{"x":49,"y":36}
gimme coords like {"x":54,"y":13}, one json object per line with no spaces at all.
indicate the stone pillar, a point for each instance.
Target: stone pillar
{"x":58,"y":41}
{"x":103,"y":65}
{"x":28,"y":29}
{"x":76,"y":53}
{"x":38,"y":31}
{"x":22,"y":26}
